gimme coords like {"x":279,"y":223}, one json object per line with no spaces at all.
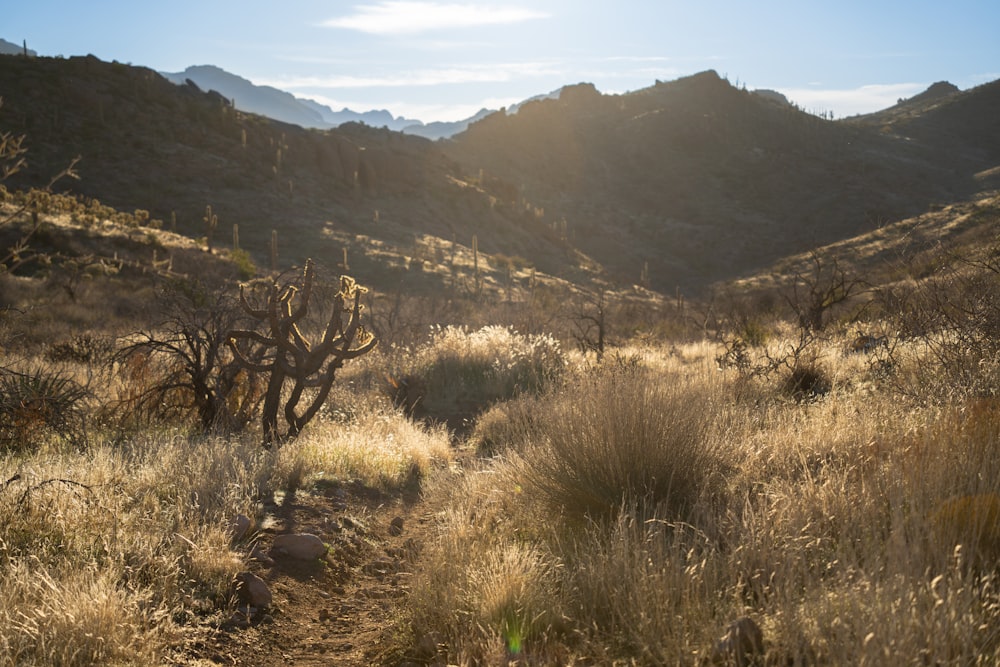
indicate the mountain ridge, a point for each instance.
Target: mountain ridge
{"x":679,"y":185}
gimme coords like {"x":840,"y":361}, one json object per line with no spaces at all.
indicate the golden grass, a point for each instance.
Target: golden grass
{"x":110,"y":555}
{"x":825,"y":528}
{"x":378,"y":446}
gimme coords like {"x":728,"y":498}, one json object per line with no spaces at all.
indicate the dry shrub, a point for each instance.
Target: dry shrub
{"x":506,"y":425}
{"x":465,"y":371}
{"x":644,"y":589}
{"x":625,"y":437}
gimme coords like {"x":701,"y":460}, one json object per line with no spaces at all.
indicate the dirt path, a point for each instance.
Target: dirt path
{"x":332,"y":611}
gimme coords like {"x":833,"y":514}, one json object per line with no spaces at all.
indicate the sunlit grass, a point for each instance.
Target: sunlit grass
{"x":378,"y":446}
{"x":822,"y":521}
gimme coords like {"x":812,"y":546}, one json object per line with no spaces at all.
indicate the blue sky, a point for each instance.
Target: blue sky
{"x":444,"y":60}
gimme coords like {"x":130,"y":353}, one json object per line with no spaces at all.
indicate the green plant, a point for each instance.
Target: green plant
{"x":245,"y":267}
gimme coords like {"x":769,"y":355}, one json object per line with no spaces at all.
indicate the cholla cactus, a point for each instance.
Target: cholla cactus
{"x":288,"y":355}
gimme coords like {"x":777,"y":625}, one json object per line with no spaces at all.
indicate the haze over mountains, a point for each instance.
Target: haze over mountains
{"x":685,"y":182}
{"x":283,"y":106}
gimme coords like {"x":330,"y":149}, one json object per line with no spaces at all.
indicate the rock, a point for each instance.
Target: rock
{"x":258,"y":555}
{"x":396,"y":526}
{"x":302,"y":546}
{"x":239,"y":526}
{"x":742,"y":645}
{"x":252,"y":590}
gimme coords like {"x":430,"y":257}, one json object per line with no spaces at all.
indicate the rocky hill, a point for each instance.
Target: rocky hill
{"x":698,"y":180}
{"x":677,"y":185}
{"x":149,"y":144}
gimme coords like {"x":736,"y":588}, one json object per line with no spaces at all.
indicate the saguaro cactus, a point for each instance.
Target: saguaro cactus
{"x":211,"y":222}
{"x":290,"y":356}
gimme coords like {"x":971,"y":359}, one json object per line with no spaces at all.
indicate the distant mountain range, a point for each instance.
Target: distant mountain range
{"x":285,"y":107}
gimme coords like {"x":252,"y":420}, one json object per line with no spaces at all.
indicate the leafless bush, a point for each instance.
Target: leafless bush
{"x":182,"y":367}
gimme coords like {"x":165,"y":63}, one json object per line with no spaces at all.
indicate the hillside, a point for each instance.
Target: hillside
{"x":704,"y":181}
{"x":173,"y":150}
{"x":678,"y":185}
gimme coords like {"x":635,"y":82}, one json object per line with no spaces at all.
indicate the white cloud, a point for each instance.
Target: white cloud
{"x":397,"y":17}
{"x":492,"y":73}
{"x":852,"y":101}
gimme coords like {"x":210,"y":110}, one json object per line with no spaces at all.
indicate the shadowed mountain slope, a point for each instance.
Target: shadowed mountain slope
{"x":172,"y":150}
{"x":684,"y":183}
{"x":700,"y":180}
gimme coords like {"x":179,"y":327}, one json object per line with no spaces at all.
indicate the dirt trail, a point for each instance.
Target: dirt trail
{"x":336,"y":610}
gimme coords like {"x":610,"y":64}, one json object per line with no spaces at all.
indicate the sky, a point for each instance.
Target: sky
{"x":444,"y":60}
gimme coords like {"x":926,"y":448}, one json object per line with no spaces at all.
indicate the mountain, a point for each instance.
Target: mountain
{"x":444,"y":129}
{"x":279,"y":104}
{"x":246,"y":96}
{"x":7,"y":48}
{"x":375,"y":118}
{"x":686,"y":182}
{"x":386,"y":197}
{"x":695,"y":179}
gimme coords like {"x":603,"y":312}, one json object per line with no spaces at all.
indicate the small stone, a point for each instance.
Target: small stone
{"x":396,"y":526}
{"x":252,"y":590}
{"x":742,"y":644}
{"x":303,"y":546}
{"x":239,"y":526}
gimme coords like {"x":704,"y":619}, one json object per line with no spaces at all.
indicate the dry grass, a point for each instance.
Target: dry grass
{"x":821,"y":520}
{"x":106,"y":553}
{"x":462,"y":371}
{"x":378,"y":446}
{"x":626,"y":437}
{"x":111,"y":555}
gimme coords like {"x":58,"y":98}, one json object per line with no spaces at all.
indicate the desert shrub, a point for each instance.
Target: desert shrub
{"x":953,"y":315}
{"x":508,"y":424}
{"x":182,"y":370}
{"x":245,"y":267}
{"x":805,"y":382}
{"x":39,"y":402}
{"x":464,"y":371}
{"x":626,"y":438}
{"x":82,"y":348}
